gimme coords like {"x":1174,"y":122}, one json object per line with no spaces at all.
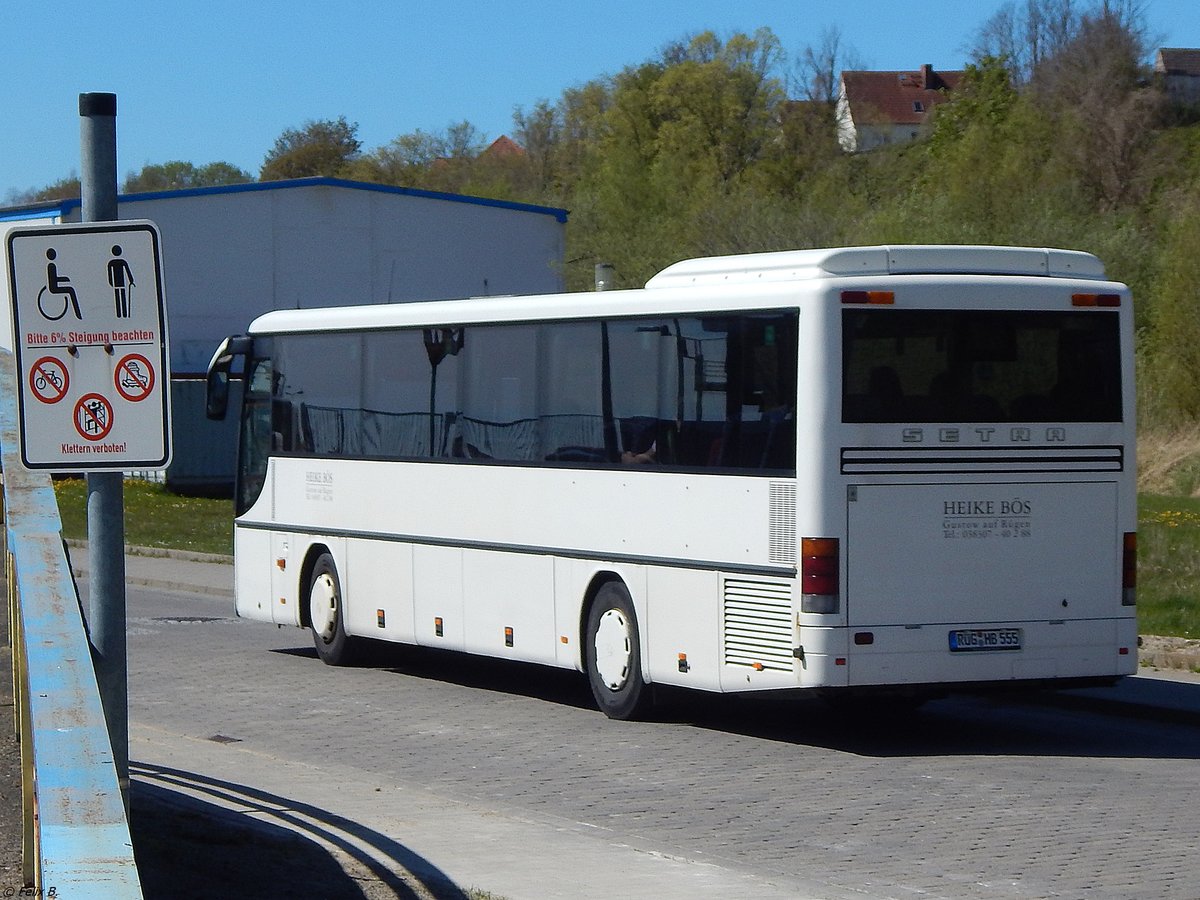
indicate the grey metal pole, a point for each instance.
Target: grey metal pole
{"x":605,"y":275}
{"x":106,"y":500}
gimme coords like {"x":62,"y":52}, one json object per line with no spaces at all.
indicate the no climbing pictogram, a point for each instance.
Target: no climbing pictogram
{"x":93,"y":417}
{"x":134,"y":377}
{"x":48,"y":379}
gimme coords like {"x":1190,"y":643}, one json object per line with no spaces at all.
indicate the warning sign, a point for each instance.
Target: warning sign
{"x":90,"y":341}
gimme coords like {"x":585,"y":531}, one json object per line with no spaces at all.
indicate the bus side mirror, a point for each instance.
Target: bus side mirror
{"x":216,"y":402}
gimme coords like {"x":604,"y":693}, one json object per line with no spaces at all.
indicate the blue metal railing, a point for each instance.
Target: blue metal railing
{"x":77,"y":840}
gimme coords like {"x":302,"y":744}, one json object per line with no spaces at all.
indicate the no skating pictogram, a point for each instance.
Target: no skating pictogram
{"x":134,"y":377}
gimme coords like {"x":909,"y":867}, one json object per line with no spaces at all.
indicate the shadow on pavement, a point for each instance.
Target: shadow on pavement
{"x":1137,"y":718}
{"x":188,"y":847}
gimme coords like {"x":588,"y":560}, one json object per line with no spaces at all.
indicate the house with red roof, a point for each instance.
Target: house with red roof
{"x":503,"y":147}
{"x":1179,"y":71}
{"x":879,"y":108}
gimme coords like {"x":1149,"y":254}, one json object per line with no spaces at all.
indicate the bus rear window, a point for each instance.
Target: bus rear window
{"x":922,"y":366}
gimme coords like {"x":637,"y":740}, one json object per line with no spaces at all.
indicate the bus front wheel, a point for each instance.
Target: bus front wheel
{"x":614,"y":656}
{"x":325,"y":614}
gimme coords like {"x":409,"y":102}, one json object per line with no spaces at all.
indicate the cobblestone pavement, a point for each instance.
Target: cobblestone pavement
{"x":971,"y":797}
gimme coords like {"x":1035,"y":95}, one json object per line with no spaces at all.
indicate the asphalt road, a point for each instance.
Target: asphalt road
{"x":426,"y":774}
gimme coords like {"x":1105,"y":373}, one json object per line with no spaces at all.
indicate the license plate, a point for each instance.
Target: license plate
{"x":971,"y":639}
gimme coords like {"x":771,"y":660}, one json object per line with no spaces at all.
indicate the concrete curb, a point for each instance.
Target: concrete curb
{"x":166,"y":570}
{"x":162,"y":553}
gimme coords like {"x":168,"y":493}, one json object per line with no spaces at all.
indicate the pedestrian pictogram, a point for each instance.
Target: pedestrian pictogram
{"x":93,"y":417}
{"x":89,"y":333}
{"x":134,"y":377}
{"x":120,"y":276}
{"x":49,"y":380}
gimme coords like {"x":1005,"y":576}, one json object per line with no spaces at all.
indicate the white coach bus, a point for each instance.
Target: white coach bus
{"x":873,"y":469}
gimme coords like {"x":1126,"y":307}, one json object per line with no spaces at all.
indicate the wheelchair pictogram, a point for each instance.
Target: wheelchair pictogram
{"x":60,"y":287}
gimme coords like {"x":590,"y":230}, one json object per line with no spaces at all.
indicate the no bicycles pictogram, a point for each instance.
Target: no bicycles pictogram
{"x":134,"y":377}
{"x":93,"y":417}
{"x":48,"y":379}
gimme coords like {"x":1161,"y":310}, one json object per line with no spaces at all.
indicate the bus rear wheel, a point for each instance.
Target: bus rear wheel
{"x":326,"y":614}
{"x":614,"y":656}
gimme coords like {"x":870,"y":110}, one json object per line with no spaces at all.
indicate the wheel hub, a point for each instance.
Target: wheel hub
{"x":322,"y":606}
{"x":614,"y":649}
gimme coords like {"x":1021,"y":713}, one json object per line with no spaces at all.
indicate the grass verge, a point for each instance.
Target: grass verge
{"x":1169,"y":565}
{"x":154,"y":517}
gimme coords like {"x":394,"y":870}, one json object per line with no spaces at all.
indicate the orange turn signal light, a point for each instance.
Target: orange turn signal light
{"x":885,"y":298}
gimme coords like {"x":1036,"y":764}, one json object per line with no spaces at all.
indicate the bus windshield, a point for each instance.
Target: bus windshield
{"x":948,"y":365}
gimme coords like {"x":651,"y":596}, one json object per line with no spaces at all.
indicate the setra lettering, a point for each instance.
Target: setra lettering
{"x":985,"y":434}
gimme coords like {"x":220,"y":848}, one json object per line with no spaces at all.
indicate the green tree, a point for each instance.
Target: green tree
{"x":819,"y":70}
{"x":1026,"y":36}
{"x":326,"y":147}
{"x":1099,"y":87}
{"x":540,"y":133}
{"x":717,"y":104}
{"x":218,"y":173}
{"x":403,"y":162}
{"x":440,"y":161}
{"x":675,"y":139}
{"x":1086,"y":67}
{"x":178,"y":175}
{"x":1170,"y":348}
{"x":64,"y":189}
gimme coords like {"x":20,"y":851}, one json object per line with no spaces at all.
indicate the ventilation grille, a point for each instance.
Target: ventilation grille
{"x":782,"y":539}
{"x":758,"y":624}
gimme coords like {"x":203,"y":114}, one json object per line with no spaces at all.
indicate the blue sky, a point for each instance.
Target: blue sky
{"x":222,"y":79}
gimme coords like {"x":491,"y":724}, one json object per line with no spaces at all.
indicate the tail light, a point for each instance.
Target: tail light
{"x":1129,"y":570}
{"x":1109,"y":300}
{"x":819,"y":567}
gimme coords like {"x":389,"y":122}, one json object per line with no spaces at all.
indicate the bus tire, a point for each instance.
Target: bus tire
{"x":325,"y":615}
{"x":614,"y":655}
